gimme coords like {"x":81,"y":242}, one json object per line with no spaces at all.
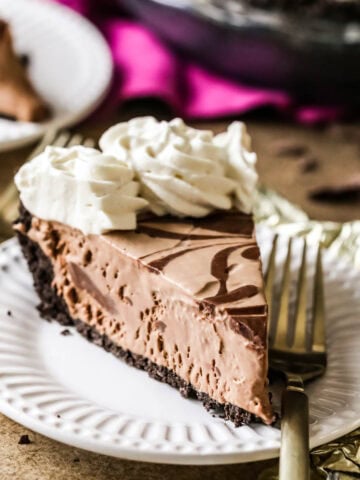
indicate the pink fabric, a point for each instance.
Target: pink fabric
{"x":145,"y":66}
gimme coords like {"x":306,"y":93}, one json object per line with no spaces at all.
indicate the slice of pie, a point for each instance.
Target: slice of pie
{"x":147,"y":252}
{"x":18,"y":98}
{"x":181,"y":299}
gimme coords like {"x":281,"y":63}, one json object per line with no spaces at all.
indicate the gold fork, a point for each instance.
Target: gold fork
{"x":9,"y":198}
{"x":299,"y":359}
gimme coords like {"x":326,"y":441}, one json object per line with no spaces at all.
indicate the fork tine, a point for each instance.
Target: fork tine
{"x":9,"y":197}
{"x":61,"y":139}
{"x":299,"y":342}
{"x":48,"y":139}
{"x":318,"y":343}
{"x":89,"y":142}
{"x":269,"y":281}
{"x":6,"y":197}
{"x":74,"y":140}
{"x":283,"y":317}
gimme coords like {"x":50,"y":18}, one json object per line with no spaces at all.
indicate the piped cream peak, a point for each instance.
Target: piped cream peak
{"x":165,"y":167}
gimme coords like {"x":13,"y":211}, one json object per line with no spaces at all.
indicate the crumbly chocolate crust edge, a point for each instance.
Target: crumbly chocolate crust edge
{"x":53,"y":307}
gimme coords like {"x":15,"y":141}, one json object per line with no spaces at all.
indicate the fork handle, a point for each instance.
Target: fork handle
{"x":294,"y":451}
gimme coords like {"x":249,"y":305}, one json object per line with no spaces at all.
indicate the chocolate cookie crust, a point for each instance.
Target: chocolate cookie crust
{"x":53,"y":307}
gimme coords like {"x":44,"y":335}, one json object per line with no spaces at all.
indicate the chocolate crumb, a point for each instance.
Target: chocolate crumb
{"x":308,"y":164}
{"x":66,"y":332}
{"x":346,"y":192}
{"x":24,"y":440}
{"x":349,"y":133}
{"x":4,"y":268}
{"x":288,"y":148}
{"x":9,"y":313}
{"x":58,"y":415}
{"x":24,"y":60}
{"x":76,"y":460}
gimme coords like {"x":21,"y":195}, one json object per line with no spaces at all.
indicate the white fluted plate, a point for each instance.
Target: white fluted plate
{"x":69,"y":64}
{"x":76,"y":393}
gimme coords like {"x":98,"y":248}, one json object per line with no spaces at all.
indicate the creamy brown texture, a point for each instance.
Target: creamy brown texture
{"x":185,"y":294}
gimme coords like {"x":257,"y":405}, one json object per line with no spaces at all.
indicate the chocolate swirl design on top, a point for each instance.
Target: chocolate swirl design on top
{"x":251,"y":253}
{"x":157,"y":233}
{"x":229,"y":224}
{"x":246,"y":291}
{"x":229,"y":233}
{"x":220,"y":270}
{"x":160,"y":263}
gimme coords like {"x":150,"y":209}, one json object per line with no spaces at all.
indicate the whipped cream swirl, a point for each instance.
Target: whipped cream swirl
{"x":240,"y":164}
{"x":166,"y":167}
{"x":184,"y":171}
{"x":82,"y":188}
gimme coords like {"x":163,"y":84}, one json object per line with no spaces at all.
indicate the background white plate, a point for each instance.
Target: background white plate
{"x":70,"y":64}
{"x":74,"y":392}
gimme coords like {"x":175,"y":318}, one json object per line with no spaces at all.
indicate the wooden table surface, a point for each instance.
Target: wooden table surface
{"x":337,"y":153}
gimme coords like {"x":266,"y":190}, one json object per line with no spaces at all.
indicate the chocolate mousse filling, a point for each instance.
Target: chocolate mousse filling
{"x":138,"y":313}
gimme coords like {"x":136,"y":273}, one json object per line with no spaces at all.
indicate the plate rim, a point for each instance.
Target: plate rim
{"x":130,"y":452}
